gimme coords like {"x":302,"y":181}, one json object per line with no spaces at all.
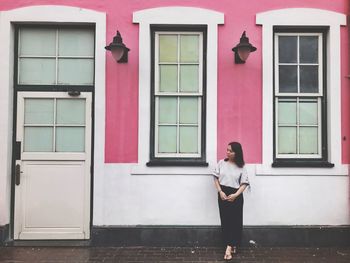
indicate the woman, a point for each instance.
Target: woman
{"x":231,"y":179}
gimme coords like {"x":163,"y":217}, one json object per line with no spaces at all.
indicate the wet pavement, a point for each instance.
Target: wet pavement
{"x":171,"y":254}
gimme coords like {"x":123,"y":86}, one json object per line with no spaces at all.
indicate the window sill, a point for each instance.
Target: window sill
{"x":142,"y":169}
{"x":267,"y":170}
{"x":178,"y":162}
{"x":302,"y":163}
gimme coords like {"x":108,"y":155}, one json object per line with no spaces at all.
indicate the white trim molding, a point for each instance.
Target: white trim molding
{"x":175,"y":16}
{"x":45,"y":14}
{"x":303,"y":17}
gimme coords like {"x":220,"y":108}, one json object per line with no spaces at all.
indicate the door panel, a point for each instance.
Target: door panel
{"x":52,"y":198}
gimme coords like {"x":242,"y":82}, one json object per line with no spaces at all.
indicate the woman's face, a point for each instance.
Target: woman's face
{"x":229,"y":153}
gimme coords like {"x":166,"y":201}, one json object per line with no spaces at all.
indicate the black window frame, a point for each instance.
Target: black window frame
{"x":304,"y":162}
{"x":178,"y":161}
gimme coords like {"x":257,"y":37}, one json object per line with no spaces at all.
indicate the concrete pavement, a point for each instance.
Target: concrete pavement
{"x":171,"y":254}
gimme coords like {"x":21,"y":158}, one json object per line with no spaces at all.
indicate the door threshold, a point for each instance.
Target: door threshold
{"x":48,"y":243}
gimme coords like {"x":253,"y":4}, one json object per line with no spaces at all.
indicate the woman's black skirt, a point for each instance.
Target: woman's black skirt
{"x":231,"y":215}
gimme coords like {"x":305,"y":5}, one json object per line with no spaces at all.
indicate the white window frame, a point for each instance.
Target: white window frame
{"x":303,"y":17}
{"x":176,"y":16}
{"x":319,"y":131}
{"x":299,"y":96}
{"x":320,"y":64}
{"x":198,"y":95}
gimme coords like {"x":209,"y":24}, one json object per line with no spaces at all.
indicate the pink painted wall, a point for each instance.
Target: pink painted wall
{"x":239,"y":86}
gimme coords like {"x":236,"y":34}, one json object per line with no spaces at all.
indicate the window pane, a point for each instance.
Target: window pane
{"x":287,"y":140}
{"x":38,"y":139}
{"x":309,"y":79}
{"x":308,"y":140}
{"x":189,"y":48}
{"x":37,"y":42}
{"x":167,"y":139}
{"x":70,"y":139}
{"x":188,"y":139}
{"x":308,"y":111}
{"x":38,"y":111}
{"x":70,"y":111}
{"x":76,"y":42}
{"x":288,"y":79}
{"x":168,"y":110}
{"x":188,"y":110}
{"x":167,"y":48}
{"x":37,"y":71}
{"x":189,"y":78}
{"x":308,"y":49}
{"x":287,"y":49}
{"x":75,"y":71}
{"x":168,"y":78}
{"x":287,"y":112}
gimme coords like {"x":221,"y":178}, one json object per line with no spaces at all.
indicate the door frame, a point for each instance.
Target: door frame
{"x":56,"y":14}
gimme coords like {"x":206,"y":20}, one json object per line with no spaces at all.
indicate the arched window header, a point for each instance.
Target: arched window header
{"x":178,"y":15}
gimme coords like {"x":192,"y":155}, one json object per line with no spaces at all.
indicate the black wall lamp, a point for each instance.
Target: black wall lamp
{"x":243,"y":49}
{"x":118,"y":49}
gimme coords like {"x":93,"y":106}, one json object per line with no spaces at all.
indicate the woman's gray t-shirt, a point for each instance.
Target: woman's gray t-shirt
{"x":229,"y":174}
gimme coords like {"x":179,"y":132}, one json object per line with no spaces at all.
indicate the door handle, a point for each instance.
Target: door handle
{"x":18,"y":174}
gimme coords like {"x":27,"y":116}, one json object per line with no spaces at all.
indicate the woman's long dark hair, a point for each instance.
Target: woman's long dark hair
{"x":237,"y":149}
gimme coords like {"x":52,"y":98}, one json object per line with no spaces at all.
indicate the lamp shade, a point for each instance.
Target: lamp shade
{"x":117,"y":53}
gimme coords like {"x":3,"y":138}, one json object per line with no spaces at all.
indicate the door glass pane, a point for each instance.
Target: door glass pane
{"x":70,"y":111}
{"x":189,"y":48}
{"x":188,"y":110}
{"x":75,"y":71}
{"x":37,"y":42}
{"x":76,"y":42}
{"x":188,"y":139}
{"x":167,"y":48}
{"x":288,"y":79}
{"x":167,"y":139}
{"x":287,"y":49}
{"x":308,"y":49}
{"x":308,"y":140}
{"x":168,"y":78}
{"x":309,"y":79}
{"x":37,"y":71}
{"x":189,"y":78}
{"x":38,"y":111}
{"x":38,"y":139}
{"x":308,"y":111}
{"x":70,"y":139}
{"x":287,"y":112}
{"x":287,"y":140}
{"x":168,"y":110}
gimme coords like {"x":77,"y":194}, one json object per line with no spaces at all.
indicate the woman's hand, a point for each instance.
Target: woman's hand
{"x":232,"y":197}
{"x":223,"y":196}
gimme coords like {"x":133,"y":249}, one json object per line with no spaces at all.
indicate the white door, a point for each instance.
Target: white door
{"x":52,"y":181}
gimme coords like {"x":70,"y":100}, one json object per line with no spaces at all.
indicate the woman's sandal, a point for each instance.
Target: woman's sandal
{"x":228,"y":255}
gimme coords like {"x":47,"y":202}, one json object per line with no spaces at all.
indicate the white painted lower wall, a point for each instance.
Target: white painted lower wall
{"x":5,"y":166}
{"x":123,"y":199}
{"x":5,"y":193}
